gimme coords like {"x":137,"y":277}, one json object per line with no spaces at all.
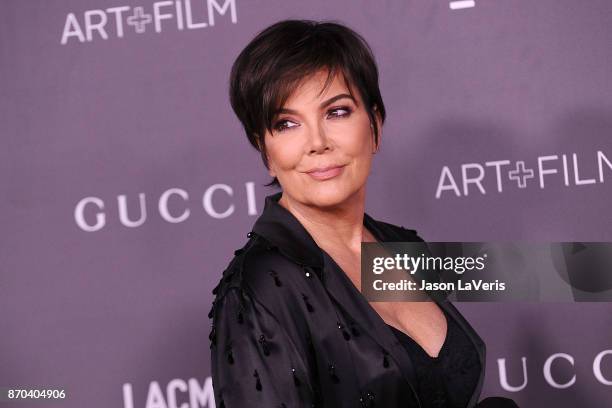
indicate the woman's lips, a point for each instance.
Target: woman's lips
{"x":327,"y":173}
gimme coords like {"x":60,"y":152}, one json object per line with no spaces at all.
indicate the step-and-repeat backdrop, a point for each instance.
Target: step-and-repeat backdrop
{"x":127,"y":182}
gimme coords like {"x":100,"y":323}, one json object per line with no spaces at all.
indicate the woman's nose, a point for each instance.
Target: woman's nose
{"x":318,"y":138}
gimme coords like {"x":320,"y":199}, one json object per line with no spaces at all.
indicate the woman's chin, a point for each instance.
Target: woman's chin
{"x":328,"y":195}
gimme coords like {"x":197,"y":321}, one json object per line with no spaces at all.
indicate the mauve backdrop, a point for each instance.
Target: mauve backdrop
{"x":127,"y":182}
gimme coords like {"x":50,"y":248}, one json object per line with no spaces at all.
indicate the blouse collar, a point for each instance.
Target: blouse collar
{"x":283,"y":230}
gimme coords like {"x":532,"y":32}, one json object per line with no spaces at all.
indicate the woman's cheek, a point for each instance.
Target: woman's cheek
{"x":284,"y":156}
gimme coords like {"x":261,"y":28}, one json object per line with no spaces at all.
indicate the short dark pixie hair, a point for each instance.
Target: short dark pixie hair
{"x":279,"y":57}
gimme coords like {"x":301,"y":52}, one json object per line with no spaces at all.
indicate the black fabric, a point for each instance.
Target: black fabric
{"x":290,"y":329}
{"x":448,"y":379}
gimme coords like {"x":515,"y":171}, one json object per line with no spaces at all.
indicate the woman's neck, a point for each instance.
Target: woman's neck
{"x":340,"y":226}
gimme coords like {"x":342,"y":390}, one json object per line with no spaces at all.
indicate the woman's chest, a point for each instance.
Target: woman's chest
{"x":424,"y":321}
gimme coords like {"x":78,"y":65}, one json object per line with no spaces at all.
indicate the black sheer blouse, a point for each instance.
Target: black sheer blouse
{"x":290,"y":329}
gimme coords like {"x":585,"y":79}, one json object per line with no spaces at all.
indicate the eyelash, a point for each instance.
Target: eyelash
{"x":279,"y":128}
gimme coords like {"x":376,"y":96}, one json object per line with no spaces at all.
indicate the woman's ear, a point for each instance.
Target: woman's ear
{"x":264,"y":155}
{"x":378,"y":119}
{"x":261,"y":147}
{"x":271,"y":171}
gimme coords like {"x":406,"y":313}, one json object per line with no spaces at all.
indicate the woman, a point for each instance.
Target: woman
{"x":290,"y":326}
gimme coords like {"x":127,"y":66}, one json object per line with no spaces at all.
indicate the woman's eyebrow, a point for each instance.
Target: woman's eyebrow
{"x":321,"y":106}
{"x":335,"y":98}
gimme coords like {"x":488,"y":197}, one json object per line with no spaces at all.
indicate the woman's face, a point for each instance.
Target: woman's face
{"x":314,"y":131}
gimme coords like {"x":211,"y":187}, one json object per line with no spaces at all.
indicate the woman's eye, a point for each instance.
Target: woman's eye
{"x":282,"y":125}
{"x":340,"y":111}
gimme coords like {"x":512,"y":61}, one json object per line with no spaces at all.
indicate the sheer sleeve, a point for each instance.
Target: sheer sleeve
{"x":254,"y":363}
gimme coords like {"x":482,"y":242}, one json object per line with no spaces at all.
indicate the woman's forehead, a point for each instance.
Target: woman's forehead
{"x":312,"y":88}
